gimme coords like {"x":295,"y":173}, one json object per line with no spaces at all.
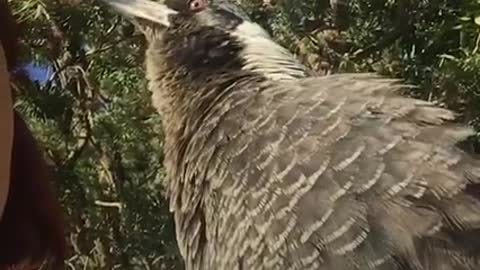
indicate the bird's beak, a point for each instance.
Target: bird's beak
{"x":143,"y":9}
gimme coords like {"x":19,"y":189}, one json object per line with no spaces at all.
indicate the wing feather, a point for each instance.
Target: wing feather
{"x":337,"y":172}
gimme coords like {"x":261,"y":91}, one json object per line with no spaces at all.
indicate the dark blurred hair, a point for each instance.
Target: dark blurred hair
{"x":8,"y":34}
{"x":31,"y":228}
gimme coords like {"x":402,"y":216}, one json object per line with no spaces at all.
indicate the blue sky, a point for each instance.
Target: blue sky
{"x":39,"y":73}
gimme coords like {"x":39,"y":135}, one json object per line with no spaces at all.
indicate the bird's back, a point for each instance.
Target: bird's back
{"x":335,"y":173}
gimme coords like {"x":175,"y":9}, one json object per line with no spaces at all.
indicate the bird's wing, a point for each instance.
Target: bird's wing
{"x":338,"y":172}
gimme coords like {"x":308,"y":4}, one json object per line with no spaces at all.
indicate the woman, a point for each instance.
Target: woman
{"x":31,"y":228}
{"x":6,"y":131}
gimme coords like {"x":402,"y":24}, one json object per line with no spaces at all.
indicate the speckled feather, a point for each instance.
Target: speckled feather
{"x":337,"y":172}
{"x":272,"y":168}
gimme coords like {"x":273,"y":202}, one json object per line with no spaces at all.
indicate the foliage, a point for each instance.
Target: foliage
{"x":103,"y":139}
{"x":431,"y":43}
{"x":101,"y":136}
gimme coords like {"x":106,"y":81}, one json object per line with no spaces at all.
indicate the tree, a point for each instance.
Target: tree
{"x":104,"y":141}
{"x":93,"y":118}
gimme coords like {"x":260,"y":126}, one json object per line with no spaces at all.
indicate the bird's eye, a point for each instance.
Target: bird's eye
{"x":198,"y":5}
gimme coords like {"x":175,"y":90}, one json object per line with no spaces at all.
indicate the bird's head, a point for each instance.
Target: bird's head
{"x":205,"y":36}
{"x":182,"y":17}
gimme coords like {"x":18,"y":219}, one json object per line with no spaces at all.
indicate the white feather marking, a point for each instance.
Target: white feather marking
{"x":310,"y":259}
{"x":308,"y":184}
{"x":374,"y":180}
{"x":298,"y":191}
{"x":340,"y":231}
{"x":421,"y":191}
{"x":276,"y":177}
{"x":336,"y":109}
{"x":332,"y":127}
{"x":342,"y":191}
{"x":435,"y":229}
{"x":264,"y":55}
{"x":352,"y":245}
{"x":395,"y":189}
{"x":282,"y":237}
{"x":346,"y":162}
{"x":272,"y":262}
{"x":272,"y":149}
{"x":391,"y":145}
{"x":315,"y":226}
{"x":378,"y":262}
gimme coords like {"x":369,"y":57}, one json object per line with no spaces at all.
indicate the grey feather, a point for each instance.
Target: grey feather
{"x":302,"y":172}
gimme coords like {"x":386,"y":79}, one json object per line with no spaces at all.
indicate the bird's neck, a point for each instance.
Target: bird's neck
{"x":262,"y":55}
{"x":185,"y":97}
{"x":187,"y":80}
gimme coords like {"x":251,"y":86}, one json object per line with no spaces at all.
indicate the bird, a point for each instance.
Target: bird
{"x":270,"y":166}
